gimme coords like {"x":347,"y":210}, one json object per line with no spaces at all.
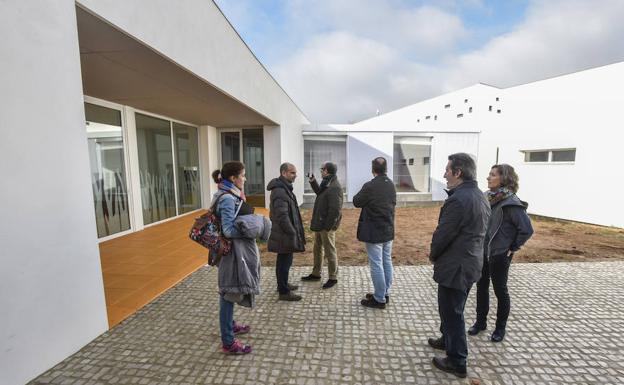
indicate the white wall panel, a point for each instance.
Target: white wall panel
{"x":51,"y":291}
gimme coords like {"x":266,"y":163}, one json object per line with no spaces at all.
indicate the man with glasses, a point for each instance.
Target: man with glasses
{"x":326,"y":217}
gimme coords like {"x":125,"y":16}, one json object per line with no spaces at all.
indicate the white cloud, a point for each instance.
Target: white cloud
{"x":374,"y":56}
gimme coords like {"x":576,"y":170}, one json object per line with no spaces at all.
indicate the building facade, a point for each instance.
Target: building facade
{"x":113,"y":116}
{"x":562,"y":135}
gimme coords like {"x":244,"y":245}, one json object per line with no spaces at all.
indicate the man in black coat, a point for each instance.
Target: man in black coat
{"x":287,"y":235}
{"x":457,"y":256}
{"x":377,"y":199}
{"x":326,"y":217}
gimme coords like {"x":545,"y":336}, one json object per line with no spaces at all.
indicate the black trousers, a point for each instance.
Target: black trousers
{"x":282,"y":268}
{"x":496,"y":269}
{"x":451,"y":304}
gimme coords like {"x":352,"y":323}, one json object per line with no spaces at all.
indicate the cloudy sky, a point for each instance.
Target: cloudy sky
{"x":342,"y":60}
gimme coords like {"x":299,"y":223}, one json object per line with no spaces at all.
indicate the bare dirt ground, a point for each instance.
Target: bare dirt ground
{"x":553,"y":241}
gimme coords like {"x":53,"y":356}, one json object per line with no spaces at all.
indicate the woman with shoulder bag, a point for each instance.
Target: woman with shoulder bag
{"x":509,"y":228}
{"x":229,"y":202}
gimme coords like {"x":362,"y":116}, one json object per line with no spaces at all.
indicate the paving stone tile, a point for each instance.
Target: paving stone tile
{"x":565,"y":328}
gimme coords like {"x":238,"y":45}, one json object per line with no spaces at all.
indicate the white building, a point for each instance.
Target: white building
{"x":563,"y":136}
{"x":168,"y":91}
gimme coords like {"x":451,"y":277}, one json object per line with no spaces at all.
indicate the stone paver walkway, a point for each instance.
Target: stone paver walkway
{"x":567,"y":327}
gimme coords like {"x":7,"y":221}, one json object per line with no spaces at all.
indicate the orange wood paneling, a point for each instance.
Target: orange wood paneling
{"x":140,"y":266}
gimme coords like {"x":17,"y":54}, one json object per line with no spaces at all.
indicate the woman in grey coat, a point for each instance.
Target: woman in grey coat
{"x":229,"y":203}
{"x":508,"y":229}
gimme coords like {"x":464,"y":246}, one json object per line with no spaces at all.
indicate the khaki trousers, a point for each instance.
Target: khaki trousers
{"x":325,"y":244}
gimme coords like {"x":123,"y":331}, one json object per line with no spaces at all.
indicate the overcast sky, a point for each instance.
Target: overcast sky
{"x":342,"y":60}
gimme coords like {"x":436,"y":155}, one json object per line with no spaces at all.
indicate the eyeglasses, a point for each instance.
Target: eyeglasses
{"x":321,"y":169}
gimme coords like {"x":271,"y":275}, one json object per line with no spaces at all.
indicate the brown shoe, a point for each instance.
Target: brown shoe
{"x":289,"y":297}
{"x":291,"y":287}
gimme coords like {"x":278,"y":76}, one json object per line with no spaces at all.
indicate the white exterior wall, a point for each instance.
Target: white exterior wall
{"x":197,"y":36}
{"x":51,"y":291}
{"x":582,"y":111}
{"x":443,"y":145}
{"x":362,"y":148}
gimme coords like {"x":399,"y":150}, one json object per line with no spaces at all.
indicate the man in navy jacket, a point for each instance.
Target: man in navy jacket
{"x":457,"y":257}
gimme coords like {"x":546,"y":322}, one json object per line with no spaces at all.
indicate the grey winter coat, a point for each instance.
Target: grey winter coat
{"x":287,"y":235}
{"x":239,"y":270}
{"x":509,"y":227}
{"x":457,"y":243}
{"x":326,"y":214}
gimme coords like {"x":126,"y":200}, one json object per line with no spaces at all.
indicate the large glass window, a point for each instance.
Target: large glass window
{"x":412,"y":157}
{"x":156,"y":168}
{"x":247,"y":145}
{"x":187,"y":166}
{"x":230,"y":146}
{"x":108,"y":171}
{"x":253,"y":157}
{"x":320,"y":149}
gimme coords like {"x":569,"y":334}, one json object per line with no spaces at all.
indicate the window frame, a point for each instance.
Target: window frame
{"x":550,"y":155}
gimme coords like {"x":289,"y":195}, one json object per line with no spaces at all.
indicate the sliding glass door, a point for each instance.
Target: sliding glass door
{"x":108,"y":170}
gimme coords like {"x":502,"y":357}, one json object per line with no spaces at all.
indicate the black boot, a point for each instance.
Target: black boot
{"x":444,"y":365}
{"x":476,"y":329}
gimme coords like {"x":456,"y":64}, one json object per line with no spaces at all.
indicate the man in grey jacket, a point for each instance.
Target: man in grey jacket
{"x":457,"y":257}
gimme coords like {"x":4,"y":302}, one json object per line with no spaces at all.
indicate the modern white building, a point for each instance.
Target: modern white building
{"x":126,"y":107}
{"x":563,"y":135}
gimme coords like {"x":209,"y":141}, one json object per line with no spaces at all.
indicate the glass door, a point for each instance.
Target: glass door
{"x":246,"y":145}
{"x":108,"y":171}
{"x":187,"y":166}
{"x":156,"y":168}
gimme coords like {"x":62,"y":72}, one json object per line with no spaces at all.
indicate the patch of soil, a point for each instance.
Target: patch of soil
{"x":553,"y":240}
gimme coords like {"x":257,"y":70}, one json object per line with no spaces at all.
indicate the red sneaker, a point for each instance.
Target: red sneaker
{"x":240,"y":328}
{"x":236,"y":348}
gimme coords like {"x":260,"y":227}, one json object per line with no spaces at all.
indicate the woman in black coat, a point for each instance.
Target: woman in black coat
{"x":508,"y":229}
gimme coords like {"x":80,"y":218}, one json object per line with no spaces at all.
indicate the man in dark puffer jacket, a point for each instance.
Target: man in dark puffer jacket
{"x":287,"y":235}
{"x":326,"y":217}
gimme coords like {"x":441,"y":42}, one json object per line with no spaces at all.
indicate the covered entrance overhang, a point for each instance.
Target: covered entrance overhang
{"x":118,"y":68}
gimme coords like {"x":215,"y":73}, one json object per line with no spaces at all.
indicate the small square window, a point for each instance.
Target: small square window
{"x":417,"y":120}
{"x":411,"y":161}
{"x":426,"y":160}
{"x":497,"y":99}
{"x":470,"y":109}
{"x":498,"y":111}
{"x":447,"y":106}
{"x":460,"y":115}
{"x":490,"y":108}
{"x":428,"y":117}
{"x":465,"y":100}
{"x":435,"y":117}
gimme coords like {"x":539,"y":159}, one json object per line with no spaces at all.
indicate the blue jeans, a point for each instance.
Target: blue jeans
{"x":226,"y":321}
{"x":380,"y":262}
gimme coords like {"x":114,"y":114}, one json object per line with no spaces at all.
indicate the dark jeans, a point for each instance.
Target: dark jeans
{"x":451,"y":304}
{"x":496,"y":269}
{"x":282,"y":268}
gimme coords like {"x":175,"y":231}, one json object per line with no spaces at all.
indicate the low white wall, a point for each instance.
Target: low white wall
{"x":443,"y":145}
{"x":362,"y":148}
{"x":51,"y":291}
